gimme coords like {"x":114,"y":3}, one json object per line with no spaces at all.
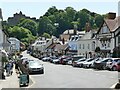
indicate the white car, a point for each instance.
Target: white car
{"x":88,"y":63}
{"x":56,"y":60}
{"x":46,"y":59}
{"x":35,"y":66}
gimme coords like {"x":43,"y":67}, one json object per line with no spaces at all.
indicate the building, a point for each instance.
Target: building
{"x":72,"y":43}
{"x":16,"y":18}
{"x":39,"y":46}
{"x":15,"y":44}
{"x":108,"y":35}
{"x":68,"y":33}
{"x":4,"y":46}
{"x":86,"y":44}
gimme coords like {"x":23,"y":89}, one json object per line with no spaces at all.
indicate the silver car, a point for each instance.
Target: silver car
{"x":35,"y":66}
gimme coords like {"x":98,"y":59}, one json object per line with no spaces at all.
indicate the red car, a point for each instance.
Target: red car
{"x":118,"y":66}
{"x":62,"y":59}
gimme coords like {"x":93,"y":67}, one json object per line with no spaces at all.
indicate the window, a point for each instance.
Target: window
{"x":93,"y":45}
{"x":83,"y":46}
{"x":105,"y":29}
{"x":118,"y":39}
{"x":88,"y":46}
{"x":108,"y":44}
{"x":80,"y":46}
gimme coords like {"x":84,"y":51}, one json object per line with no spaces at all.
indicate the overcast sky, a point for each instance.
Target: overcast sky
{"x":36,"y":8}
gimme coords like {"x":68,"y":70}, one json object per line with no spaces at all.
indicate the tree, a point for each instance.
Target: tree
{"x":29,"y":24}
{"x":98,"y":20}
{"x":21,"y":33}
{"x":46,"y":35}
{"x":83,"y":18}
{"x":46,"y":25}
{"x":51,"y":11}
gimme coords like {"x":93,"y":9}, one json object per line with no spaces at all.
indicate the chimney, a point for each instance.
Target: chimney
{"x":87,"y":27}
{"x":111,"y":15}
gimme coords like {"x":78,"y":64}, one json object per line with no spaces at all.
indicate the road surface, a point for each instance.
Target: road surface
{"x":65,"y":76}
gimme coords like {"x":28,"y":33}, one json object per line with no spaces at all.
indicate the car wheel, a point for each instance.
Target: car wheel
{"x":114,"y":68}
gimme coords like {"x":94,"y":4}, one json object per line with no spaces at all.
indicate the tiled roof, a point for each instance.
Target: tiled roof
{"x":113,"y":24}
{"x":61,"y":47}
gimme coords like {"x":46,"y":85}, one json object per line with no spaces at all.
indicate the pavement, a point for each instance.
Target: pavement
{"x":11,"y":81}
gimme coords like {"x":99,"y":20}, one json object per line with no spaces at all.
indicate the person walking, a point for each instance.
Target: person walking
{"x":7,"y":68}
{"x":11,"y":67}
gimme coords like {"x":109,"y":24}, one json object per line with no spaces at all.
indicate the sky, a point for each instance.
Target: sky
{"x":37,"y":8}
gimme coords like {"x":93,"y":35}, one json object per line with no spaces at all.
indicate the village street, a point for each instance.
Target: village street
{"x":65,"y":76}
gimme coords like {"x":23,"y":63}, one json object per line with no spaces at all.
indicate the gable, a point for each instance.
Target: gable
{"x":104,"y":29}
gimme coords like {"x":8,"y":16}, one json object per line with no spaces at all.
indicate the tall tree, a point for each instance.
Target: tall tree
{"x":29,"y":24}
{"x":46,"y":25}
{"x":51,"y":11}
{"x":98,"y":20}
{"x":83,"y":18}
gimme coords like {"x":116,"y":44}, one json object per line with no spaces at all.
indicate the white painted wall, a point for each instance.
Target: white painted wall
{"x":15,"y":43}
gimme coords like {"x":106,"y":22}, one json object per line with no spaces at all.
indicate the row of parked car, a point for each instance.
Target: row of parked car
{"x":79,"y":61}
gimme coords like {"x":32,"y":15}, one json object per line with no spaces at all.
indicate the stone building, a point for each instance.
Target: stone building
{"x":16,"y":18}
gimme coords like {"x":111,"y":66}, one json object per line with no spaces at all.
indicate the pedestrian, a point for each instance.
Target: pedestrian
{"x":7,"y":68}
{"x":16,"y":66}
{"x":11,"y":67}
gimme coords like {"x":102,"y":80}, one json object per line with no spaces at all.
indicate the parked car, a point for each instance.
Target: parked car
{"x":76,"y":57}
{"x":56,"y":60}
{"x":69,"y":62}
{"x":78,"y":62}
{"x":92,"y":62}
{"x":62,"y":59}
{"x":112,"y":64}
{"x":101,"y":63}
{"x":88,"y":62}
{"x":118,"y":66}
{"x":52,"y":58}
{"x":66,"y":60}
{"x":46,"y":59}
{"x":35,"y":66}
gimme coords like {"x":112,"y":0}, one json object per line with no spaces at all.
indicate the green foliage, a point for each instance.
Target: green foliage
{"x":54,"y":22}
{"x":29,"y":24}
{"x":46,"y":35}
{"x":21,"y":33}
{"x":98,"y":20}
{"x":46,"y":25}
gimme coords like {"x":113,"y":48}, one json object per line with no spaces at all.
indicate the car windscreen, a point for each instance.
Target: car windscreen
{"x":34,"y":64}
